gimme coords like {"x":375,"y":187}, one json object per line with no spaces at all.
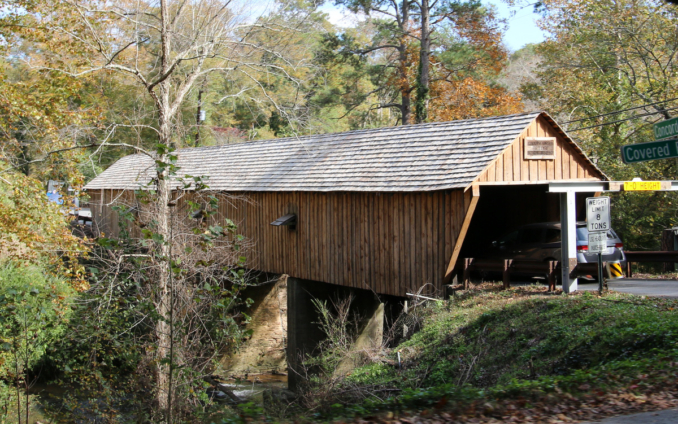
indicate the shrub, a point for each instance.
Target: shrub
{"x":34,"y":308}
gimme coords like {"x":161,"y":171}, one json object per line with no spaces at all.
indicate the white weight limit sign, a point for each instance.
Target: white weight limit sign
{"x":598,"y":214}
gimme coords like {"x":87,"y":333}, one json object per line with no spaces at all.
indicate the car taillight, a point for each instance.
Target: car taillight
{"x":583,"y":248}
{"x":619,"y":245}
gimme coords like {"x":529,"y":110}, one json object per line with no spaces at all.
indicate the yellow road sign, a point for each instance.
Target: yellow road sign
{"x":615,"y":270}
{"x":642,"y":185}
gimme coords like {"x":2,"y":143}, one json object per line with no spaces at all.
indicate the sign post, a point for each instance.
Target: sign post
{"x":598,"y":244}
{"x":598,"y":223}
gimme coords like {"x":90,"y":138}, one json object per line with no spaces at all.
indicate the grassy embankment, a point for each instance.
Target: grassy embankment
{"x":522,"y":353}
{"x":488,"y":347}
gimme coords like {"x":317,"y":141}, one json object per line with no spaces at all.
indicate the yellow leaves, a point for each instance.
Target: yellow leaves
{"x":34,"y":230}
{"x":471,"y":98}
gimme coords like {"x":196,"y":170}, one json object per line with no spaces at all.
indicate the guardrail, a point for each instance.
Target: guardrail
{"x":523,"y":266}
{"x":509,"y":266}
{"x":648,"y":256}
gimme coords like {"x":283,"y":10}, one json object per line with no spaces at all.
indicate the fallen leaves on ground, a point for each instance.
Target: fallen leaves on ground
{"x":552,"y":408}
{"x":661,"y":276}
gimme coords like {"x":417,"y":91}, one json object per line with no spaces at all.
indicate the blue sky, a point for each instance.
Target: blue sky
{"x":522,"y":28}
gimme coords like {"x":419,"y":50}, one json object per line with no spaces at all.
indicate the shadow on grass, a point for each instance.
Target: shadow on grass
{"x":487,"y":336}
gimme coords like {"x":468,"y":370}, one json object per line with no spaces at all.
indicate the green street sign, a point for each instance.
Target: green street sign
{"x":641,"y":152}
{"x":666,"y":129}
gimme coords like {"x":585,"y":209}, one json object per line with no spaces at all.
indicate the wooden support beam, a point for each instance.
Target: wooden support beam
{"x":462,"y":234}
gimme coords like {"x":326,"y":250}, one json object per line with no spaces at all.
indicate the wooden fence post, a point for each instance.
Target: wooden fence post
{"x":667,"y":246}
{"x":629,"y":273}
{"x":506,"y":275}
{"x":467,"y":271}
{"x":552,"y":275}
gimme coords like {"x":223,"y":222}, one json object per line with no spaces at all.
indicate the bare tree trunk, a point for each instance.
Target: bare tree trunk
{"x":421,"y":107}
{"x":406,"y":107}
{"x":206,"y":30}
{"x":405,"y":89}
{"x":163,"y":296}
{"x":197,"y":116}
{"x":163,"y":292}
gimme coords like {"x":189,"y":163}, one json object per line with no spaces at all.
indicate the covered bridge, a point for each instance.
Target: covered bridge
{"x":390,"y":209}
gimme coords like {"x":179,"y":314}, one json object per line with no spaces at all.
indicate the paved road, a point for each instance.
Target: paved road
{"x":663,"y":288}
{"x":667,"y":416}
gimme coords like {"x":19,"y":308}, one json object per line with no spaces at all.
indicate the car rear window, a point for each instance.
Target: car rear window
{"x":552,"y":235}
{"x":530,"y":235}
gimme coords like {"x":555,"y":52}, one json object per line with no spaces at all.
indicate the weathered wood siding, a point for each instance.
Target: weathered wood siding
{"x":413,"y":235}
{"x":510,"y":166}
{"x":392,"y":242}
{"x":104,"y":215}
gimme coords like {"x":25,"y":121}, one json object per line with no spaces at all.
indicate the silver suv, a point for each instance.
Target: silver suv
{"x":541,"y":242}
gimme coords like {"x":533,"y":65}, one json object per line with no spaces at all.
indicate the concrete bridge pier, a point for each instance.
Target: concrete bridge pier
{"x":303,"y":331}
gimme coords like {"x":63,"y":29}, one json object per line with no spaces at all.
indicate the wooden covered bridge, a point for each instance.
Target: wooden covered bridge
{"x":388,"y":210}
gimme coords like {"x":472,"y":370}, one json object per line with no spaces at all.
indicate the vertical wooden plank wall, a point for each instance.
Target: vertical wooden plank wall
{"x":104,"y":217}
{"x":391,"y":243}
{"x":511,"y":167}
{"x":388,"y":243}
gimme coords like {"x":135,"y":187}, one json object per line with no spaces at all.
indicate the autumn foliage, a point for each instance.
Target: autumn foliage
{"x":471,"y":57}
{"x":471,"y":98}
{"x":33,"y":230}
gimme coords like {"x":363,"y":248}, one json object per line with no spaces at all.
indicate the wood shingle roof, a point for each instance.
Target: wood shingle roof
{"x":408,"y":158}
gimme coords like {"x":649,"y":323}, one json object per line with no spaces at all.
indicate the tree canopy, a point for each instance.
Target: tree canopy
{"x":85,"y":82}
{"x":608,"y":74}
